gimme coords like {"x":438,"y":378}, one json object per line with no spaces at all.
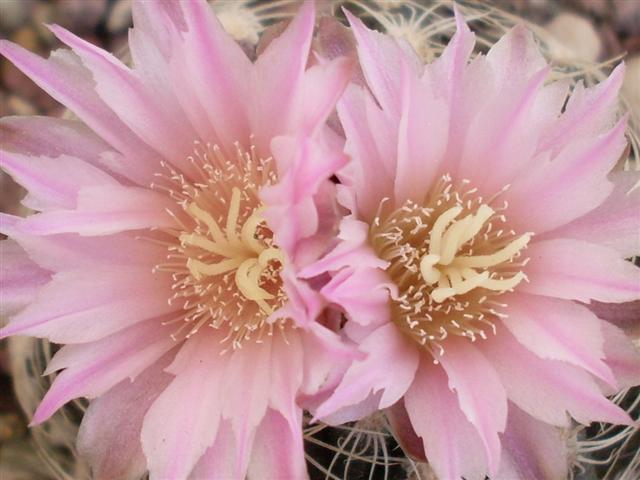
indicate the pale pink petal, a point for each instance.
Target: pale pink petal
{"x":65,"y":78}
{"x":558,"y":330}
{"x":382,"y":58}
{"x":451,"y":443}
{"x":304,"y":165}
{"x":555,"y":270}
{"x":354,"y":411}
{"x":183,"y":421}
{"x":518,"y":105}
{"x":515,"y":57}
{"x":547,"y":389}
{"x":623,"y":315}
{"x":134,"y":103}
{"x":320,"y":88}
{"x":422,"y":138}
{"x":352,"y":250}
{"x":463,"y":86}
{"x":403,"y":431}
{"x":106,"y":298}
{"x":558,"y":190}
{"x":109,"y":435}
{"x":159,"y":47}
{"x":325,"y":359}
{"x":103,"y":210}
{"x":615,"y":222}
{"x":280,"y":70}
{"x":218,"y":461}
{"x":532,"y":450}
{"x":53,"y":182}
{"x":389,"y":367}
{"x":217,"y":71}
{"x":286,"y":375}
{"x":52,"y":137}
{"x":333,"y":40}
{"x":303,"y":304}
{"x":346,"y":290}
{"x":159,"y":20}
{"x":71,"y":251}
{"x":278,"y":451}
{"x":480,"y":393}
{"x":372,"y":176}
{"x":20,"y":278}
{"x":621,"y":355}
{"x":91,"y":369}
{"x":244,"y":403}
{"x":588,"y":112}
{"x":497,"y":152}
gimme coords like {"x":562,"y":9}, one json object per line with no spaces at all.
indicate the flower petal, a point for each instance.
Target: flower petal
{"x":134,"y":102}
{"x":245,"y":402}
{"x":557,"y":190}
{"x":451,"y":443}
{"x":554,"y":271}
{"x":389,"y":367}
{"x":321,"y":87}
{"x":372,"y":176}
{"x":347,"y":288}
{"x":304,"y":164}
{"x":91,"y":369}
{"x":65,"y":78}
{"x":588,"y":112}
{"x":20,"y":278}
{"x":279,"y":70}
{"x":218,"y":71}
{"x":403,"y":430}
{"x":53,"y":182}
{"x":108,"y":298}
{"x":418,"y":152}
{"x":614,"y":223}
{"x":559,"y":330}
{"x":624,"y":315}
{"x":183,"y":421}
{"x":109,"y":435}
{"x":218,"y":461}
{"x":381,"y":58}
{"x":621,"y":355}
{"x":104,"y":210}
{"x":480,"y":393}
{"x":71,"y":251}
{"x":352,"y":250}
{"x":52,"y":137}
{"x":278,"y":450}
{"x":532,"y":450}
{"x":546,"y":389}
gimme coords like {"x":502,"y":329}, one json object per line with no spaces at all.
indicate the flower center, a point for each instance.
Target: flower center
{"x":224,"y":265}
{"x":449,"y":257}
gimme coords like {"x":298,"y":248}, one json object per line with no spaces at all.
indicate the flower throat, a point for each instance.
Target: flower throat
{"x":450,"y":258}
{"x":224,"y":265}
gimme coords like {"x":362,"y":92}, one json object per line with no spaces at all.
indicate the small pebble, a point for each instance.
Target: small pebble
{"x":120,"y":16}
{"x":577,"y":38}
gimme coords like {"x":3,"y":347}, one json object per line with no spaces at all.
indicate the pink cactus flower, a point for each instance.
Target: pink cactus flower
{"x":174,"y":216}
{"x":482,"y":210}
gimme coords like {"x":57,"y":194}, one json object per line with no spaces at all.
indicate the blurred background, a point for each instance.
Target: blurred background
{"x":582,"y":32}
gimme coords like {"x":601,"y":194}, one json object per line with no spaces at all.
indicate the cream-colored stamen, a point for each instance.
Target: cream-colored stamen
{"x":448,"y":256}
{"x":226,"y":269}
{"x":452,"y":265}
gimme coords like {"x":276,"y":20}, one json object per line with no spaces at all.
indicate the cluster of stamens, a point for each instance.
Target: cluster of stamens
{"x":224,"y":265}
{"x":450,"y":257}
